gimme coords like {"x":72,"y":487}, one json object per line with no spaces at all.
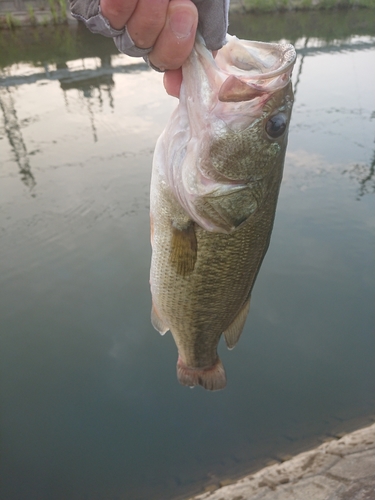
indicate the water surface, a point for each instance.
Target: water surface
{"x":90,"y":404}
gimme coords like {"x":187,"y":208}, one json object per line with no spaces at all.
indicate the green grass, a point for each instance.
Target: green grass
{"x":277,"y":5}
{"x":327,"y":24}
{"x":31,"y":14}
{"x":63,"y":10}
{"x":58,"y":10}
{"x":53,"y":10}
{"x":56,"y":13}
{"x":10,"y":21}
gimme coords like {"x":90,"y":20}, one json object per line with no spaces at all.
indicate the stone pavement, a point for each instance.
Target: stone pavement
{"x":342,"y":469}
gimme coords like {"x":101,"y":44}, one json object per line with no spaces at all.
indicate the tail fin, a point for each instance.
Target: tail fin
{"x":212,"y":378}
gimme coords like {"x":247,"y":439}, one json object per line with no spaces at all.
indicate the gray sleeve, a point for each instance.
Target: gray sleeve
{"x":88,"y":11}
{"x":213,"y":21}
{"x":212,"y":24}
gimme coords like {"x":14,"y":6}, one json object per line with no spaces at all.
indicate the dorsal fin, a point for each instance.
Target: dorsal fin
{"x":235,"y":90}
{"x":233,"y":332}
{"x":157,"y":323}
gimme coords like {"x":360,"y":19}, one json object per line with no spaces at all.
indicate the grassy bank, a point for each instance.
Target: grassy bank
{"x":327,"y":25}
{"x":33,"y":13}
{"x":282,"y":5}
{"x":53,"y":12}
{"x":58,"y":44}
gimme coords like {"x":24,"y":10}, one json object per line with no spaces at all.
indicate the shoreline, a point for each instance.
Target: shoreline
{"x":263,"y":6}
{"x":16,"y":14}
{"x":19,"y":13}
{"x":345,"y":426}
{"x":341,"y":467}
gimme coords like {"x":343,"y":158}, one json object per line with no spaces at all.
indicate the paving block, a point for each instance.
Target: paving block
{"x":354,"y":467}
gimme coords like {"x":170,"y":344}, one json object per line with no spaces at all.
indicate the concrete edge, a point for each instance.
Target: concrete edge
{"x":329,"y":469}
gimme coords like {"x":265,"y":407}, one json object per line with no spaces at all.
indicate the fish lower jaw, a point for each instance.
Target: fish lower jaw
{"x":212,"y":378}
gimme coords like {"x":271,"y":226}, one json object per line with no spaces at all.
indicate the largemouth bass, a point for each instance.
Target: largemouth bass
{"x":215,"y":181}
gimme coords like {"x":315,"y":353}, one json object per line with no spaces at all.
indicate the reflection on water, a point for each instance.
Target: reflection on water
{"x":93,"y":80}
{"x":86,"y":85}
{"x":14,"y":134}
{"x":364,"y":175}
{"x":90,"y":404}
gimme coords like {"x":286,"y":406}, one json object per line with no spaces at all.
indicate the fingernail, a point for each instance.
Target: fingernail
{"x":181,"y":24}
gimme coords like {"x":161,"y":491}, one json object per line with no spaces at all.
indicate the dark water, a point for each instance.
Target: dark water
{"x":90,"y":405}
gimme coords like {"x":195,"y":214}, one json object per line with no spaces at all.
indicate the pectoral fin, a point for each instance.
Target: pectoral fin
{"x":184,"y":249}
{"x":233,"y":332}
{"x":157,"y":323}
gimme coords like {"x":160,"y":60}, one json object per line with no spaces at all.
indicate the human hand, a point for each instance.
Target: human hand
{"x":162,"y":31}
{"x":168,"y":27}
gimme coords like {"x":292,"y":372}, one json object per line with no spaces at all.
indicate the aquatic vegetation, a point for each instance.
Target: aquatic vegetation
{"x":31,"y":14}
{"x":11,"y":21}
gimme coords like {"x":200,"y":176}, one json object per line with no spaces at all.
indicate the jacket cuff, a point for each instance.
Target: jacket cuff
{"x":90,"y":14}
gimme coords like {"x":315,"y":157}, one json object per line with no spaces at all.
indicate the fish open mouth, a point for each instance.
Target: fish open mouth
{"x":253,"y":68}
{"x":255,"y":60}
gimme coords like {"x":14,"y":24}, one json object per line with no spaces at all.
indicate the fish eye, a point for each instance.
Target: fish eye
{"x":276,"y":125}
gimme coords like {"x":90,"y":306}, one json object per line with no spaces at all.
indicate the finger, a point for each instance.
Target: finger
{"x":172,"y":82}
{"x":176,"y":40}
{"x":117,"y":11}
{"x":147,"y":21}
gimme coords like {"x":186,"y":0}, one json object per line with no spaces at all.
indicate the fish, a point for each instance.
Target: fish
{"x":216,"y":174}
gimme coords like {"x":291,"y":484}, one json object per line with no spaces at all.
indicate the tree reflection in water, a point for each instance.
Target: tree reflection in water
{"x":363,"y":174}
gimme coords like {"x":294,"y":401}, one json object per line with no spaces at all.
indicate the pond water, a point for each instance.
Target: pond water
{"x":90,"y":404}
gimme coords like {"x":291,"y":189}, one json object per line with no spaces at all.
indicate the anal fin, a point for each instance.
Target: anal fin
{"x":184,"y":249}
{"x":233,"y":332}
{"x":157,"y":323}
